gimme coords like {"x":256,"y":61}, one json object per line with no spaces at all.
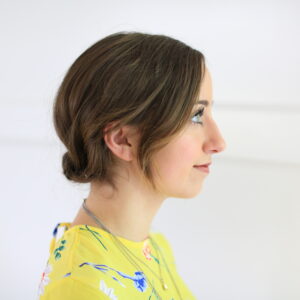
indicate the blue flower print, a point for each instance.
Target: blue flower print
{"x":139,"y":279}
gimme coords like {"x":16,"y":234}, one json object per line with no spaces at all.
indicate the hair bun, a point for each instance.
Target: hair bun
{"x":68,"y":166}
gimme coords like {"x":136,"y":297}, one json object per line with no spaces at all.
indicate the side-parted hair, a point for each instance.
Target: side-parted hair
{"x":148,"y":81}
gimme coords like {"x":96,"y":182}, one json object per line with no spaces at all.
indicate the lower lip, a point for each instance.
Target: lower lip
{"x":203,"y":169}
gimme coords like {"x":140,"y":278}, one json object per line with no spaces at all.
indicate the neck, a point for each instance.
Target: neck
{"x":128,"y":213}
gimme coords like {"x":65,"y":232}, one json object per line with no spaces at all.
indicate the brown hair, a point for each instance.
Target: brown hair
{"x":149,"y":81}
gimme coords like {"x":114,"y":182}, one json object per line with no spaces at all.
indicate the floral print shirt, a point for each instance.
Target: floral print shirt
{"x":87,"y":263}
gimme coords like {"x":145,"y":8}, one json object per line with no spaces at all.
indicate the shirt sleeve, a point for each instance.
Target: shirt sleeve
{"x":73,"y":289}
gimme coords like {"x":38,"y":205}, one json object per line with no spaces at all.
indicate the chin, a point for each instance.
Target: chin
{"x":191,"y":193}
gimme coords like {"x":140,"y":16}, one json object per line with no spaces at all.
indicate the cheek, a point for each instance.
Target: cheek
{"x":177,"y":158}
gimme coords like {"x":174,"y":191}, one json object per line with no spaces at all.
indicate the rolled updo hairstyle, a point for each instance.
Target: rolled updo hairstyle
{"x":148,"y":81}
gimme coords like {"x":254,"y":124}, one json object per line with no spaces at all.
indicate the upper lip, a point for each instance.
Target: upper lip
{"x":207,"y":164}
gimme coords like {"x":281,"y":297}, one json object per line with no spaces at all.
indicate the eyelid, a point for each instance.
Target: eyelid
{"x":200,"y":110}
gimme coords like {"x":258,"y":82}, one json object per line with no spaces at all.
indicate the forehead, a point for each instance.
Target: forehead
{"x":206,"y":89}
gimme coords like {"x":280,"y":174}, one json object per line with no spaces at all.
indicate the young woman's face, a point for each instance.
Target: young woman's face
{"x":177,"y":177}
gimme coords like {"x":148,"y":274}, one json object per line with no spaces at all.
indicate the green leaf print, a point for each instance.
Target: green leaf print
{"x":60,"y":248}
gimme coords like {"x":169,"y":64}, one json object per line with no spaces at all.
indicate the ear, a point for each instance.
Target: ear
{"x":122,"y":142}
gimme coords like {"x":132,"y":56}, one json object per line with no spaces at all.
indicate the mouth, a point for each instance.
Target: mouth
{"x":203,"y":168}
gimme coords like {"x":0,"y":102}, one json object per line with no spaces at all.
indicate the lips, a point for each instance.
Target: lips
{"x":206,"y":165}
{"x":203,"y":168}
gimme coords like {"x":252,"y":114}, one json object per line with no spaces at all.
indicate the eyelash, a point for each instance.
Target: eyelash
{"x":198,"y":113}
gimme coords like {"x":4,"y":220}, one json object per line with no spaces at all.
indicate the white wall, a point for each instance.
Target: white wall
{"x":239,"y":239}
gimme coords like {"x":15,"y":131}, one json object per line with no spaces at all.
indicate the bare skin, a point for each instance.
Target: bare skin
{"x":129,"y":213}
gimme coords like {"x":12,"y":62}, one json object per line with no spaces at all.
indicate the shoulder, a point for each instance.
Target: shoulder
{"x":72,"y":264}
{"x":77,"y":247}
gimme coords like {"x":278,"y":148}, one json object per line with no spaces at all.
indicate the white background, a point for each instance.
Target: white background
{"x":238,"y":239}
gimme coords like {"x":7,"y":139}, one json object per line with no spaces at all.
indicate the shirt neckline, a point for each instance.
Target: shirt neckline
{"x":103,"y":232}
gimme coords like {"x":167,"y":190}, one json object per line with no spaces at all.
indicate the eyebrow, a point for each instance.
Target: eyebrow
{"x":204,"y":102}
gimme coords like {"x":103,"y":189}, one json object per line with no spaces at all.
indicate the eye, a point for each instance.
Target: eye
{"x":199,"y":113}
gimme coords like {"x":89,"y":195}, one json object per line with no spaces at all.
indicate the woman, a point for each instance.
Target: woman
{"x":135,"y":114}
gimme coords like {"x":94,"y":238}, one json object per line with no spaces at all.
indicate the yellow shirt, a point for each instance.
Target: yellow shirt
{"x":85,"y":263}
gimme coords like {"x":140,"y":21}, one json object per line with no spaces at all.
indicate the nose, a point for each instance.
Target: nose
{"x":215,"y":141}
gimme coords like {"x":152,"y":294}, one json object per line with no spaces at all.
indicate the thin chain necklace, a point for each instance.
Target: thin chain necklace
{"x":117,"y":241}
{"x":126,"y":253}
